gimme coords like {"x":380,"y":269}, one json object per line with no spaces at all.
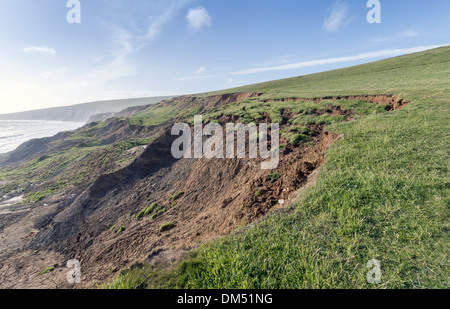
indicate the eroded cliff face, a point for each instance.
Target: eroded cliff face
{"x":156,"y":207}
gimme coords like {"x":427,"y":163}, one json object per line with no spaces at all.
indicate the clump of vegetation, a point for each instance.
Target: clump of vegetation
{"x":147,"y":211}
{"x":154,"y":210}
{"x":295,"y":139}
{"x":325,"y":119}
{"x":35,"y":197}
{"x":120,"y":230}
{"x":273,"y":177}
{"x":166,"y":226}
{"x":176,"y":196}
{"x":157,"y":213}
{"x":47,"y":270}
{"x":297,"y":134}
{"x":298,"y":129}
{"x":258,"y":193}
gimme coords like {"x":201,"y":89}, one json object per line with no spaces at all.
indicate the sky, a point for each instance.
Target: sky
{"x":140,"y":48}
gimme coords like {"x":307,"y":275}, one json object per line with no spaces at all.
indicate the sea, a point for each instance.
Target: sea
{"x":13,"y":133}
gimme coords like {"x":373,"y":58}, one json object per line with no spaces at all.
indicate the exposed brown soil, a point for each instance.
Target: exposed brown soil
{"x":213,"y":197}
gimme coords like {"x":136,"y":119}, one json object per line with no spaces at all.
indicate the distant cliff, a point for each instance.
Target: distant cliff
{"x":82,"y":112}
{"x":123,"y":113}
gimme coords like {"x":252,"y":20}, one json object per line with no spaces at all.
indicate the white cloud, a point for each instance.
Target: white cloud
{"x":337,"y":18}
{"x":53,"y":72}
{"x":200,"y":70}
{"x":125,"y":43}
{"x":405,"y":34}
{"x":230,"y":82}
{"x":363,"y":56}
{"x":43,"y":50}
{"x":127,"y":94}
{"x":198,"y":18}
{"x":279,"y":60}
{"x":158,"y":23}
{"x":199,"y":74}
{"x":408,"y":34}
{"x":378,"y":39}
{"x":196,"y":77}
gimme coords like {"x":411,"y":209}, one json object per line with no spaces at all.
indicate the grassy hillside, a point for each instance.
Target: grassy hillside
{"x":410,"y":75}
{"x":383,"y":194}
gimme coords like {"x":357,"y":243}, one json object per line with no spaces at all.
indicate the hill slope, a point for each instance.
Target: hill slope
{"x":382,"y":194}
{"x":377,"y":132}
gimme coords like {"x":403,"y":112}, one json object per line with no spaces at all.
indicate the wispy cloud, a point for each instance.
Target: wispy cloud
{"x":53,"y":72}
{"x":279,"y":60}
{"x":200,"y":70}
{"x":319,"y":62}
{"x":126,"y":42}
{"x":230,"y":82}
{"x":337,"y":17}
{"x":198,"y":18}
{"x":199,"y":74}
{"x":126,"y":94}
{"x":43,"y":50}
{"x":157,"y":24}
{"x":378,"y":39}
{"x":410,"y":33}
{"x":195,"y":77}
{"x":405,"y":34}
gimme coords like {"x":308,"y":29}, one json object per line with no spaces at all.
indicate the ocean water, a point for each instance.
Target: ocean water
{"x":13,"y":133}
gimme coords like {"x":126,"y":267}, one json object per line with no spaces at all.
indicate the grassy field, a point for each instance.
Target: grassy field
{"x":383,"y":194}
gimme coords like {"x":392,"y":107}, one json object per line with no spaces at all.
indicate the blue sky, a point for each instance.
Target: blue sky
{"x":141,"y":48}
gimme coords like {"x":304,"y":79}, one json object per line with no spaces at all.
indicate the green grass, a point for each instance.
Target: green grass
{"x":296,"y":139}
{"x":176,"y":196}
{"x":71,"y":166}
{"x":153,"y":211}
{"x":383,"y":193}
{"x":148,"y":210}
{"x":120,"y":230}
{"x":389,"y":204}
{"x":35,"y":197}
{"x":273,"y":177}
{"x":47,"y":270}
{"x":157,"y":212}
{"x":426,"y":71}
{"x":166,"y":226}
{"x":153,"y":116}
